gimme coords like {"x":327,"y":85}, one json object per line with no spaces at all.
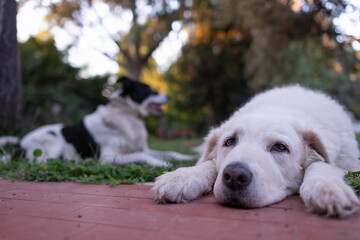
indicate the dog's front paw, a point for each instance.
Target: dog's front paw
{"x":182,"y":185}
{"x":330,"y":198}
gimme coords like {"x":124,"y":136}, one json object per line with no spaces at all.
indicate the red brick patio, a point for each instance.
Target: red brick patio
{"x":75,"y":211}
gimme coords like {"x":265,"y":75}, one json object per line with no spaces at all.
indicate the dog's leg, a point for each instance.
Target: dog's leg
{"x":8,"y":140}
{"x":324,"y":191}
{"x":169,"y":156}
{"x":137,"y":157}
{"x":185,"y":184}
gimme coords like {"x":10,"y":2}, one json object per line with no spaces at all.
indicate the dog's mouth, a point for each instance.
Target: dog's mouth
{"x":155,"y":108}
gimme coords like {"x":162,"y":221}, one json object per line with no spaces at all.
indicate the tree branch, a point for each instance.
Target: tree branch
{"x":151,"y":50}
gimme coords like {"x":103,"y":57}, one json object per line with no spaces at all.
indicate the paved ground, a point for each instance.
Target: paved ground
{"x":74,"y":211}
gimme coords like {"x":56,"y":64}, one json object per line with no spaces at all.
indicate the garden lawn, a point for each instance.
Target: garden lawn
{"x":90,"y":170}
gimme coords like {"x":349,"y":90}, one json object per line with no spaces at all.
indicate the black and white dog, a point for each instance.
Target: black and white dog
{"x":115,"y":132}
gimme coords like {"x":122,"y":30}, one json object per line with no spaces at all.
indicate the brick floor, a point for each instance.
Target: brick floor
{"x":51,"y":211}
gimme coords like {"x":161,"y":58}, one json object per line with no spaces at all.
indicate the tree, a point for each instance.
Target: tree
{"x":144,"y":36}
{"x":239,"y":47}
{"x":52,"y":90}
{"x":277,"y":27}
{"x":208,"y":80}
{"x":10,"y":81}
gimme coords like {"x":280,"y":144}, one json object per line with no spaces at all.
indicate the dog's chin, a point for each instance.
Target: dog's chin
{"x":247,"y":199}
{"x":236,"y":202}
{"x":233,"y":203}
{"x":238,"y":199}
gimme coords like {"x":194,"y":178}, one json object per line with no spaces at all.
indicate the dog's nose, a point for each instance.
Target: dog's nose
{"x":237,"y":176}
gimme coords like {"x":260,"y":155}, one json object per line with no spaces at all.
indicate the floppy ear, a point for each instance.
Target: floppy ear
{"x":314,"y":149}
{"x":211,"y":141}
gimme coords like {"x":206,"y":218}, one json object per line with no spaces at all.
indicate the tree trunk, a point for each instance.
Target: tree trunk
{"x":134,"y":69}
{"x":10,"y":77}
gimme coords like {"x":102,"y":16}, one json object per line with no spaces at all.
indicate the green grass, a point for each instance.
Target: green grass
{"x":90,"y":170}
{"x":178,"y":145}
{"x":353,"y":179}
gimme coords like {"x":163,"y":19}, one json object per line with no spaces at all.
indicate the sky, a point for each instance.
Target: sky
{"x":94,"y":40}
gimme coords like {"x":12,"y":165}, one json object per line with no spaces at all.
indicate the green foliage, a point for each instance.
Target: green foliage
{"x":277,"y":25}
{"x":37,"y":153}
{"x":208,"y":79}
{"x":52,"y":90}
{"x":311,"y":69}
{"x":88,"y":171}
{"x":237,"y":48}
{"x":353,"y":179}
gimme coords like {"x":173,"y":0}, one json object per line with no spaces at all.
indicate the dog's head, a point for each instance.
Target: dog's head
{"x":260,"y":159}
{"x":140,"y":97}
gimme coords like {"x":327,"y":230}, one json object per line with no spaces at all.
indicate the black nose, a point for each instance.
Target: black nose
{"x":237,"y":176}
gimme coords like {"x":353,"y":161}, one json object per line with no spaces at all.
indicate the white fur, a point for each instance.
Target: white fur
{"x":51,"y":146}
{"x":8,"y":140}
{"x":318,"y":134}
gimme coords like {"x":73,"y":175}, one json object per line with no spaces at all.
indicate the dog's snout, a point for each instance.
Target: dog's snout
{"x":237,"y":176}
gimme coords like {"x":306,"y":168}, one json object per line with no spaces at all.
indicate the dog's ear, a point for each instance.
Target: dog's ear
{"x":314,"y":149}
{"x":209,"y":152}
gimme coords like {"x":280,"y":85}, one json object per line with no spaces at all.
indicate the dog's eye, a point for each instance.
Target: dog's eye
{"x":230,"y":142}
{"x":279,"y":147}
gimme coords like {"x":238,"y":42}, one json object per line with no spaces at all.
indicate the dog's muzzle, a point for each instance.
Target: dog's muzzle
{"x":234,"y":186}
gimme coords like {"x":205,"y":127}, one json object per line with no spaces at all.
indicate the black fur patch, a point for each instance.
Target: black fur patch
{"x":19,"y":153}
{"x":135,"y":90}
{"x":80,"y":138}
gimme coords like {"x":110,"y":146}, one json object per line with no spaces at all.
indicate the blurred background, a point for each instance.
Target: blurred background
{"x":209,"y":56}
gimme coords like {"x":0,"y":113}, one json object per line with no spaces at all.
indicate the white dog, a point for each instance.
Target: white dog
{"x":285,"y":141}
{"x":115,"y":132}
